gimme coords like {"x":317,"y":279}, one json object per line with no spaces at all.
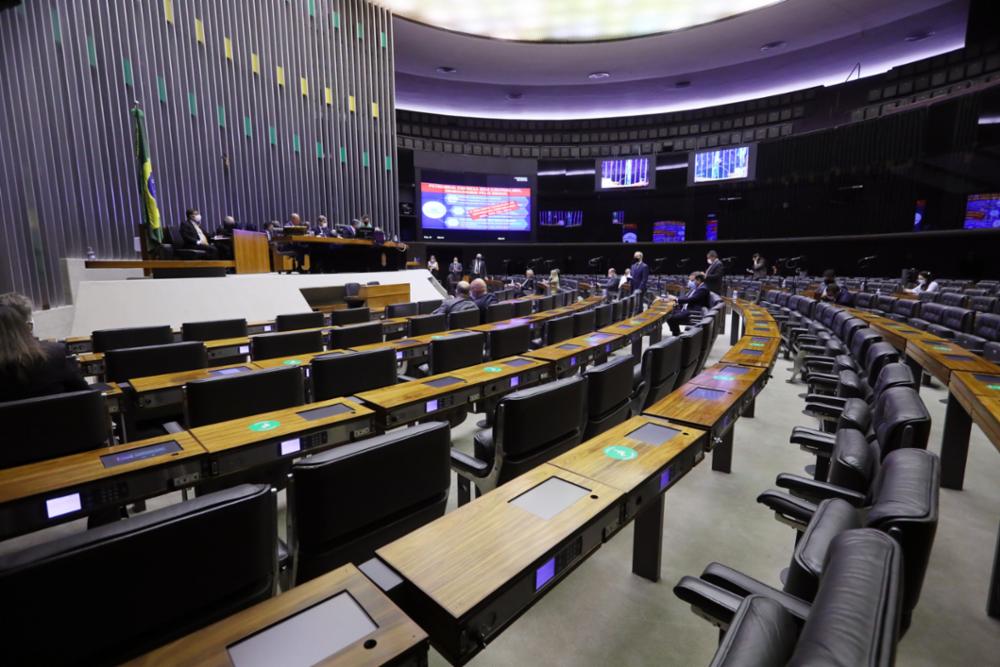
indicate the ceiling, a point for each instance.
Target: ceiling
{"x":568,"y":20}
{"x":813,"y":42}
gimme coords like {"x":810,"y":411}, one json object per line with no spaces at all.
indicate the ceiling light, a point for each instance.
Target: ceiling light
{"x":514,"y":95}
{"x":918,"y":36}
{"x":445,"y":69}
{"x":771,"y":46}
{"x":597,"y":76}
{"x":682,"y":84}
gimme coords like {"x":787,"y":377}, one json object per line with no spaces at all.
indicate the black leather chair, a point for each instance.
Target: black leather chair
{"x":509,"y":341}
{"x":455,"y":351}
{"x":864,"y":301}
{"x":351,"y":373}
{"x":905,"y":309}
{"x":885,"y":303}
{"x":401,"y":310}
{"x":707,"y":340}
{"x":272,"y":346}
{"x":954,"y":321}
{"x":691,"y":346}
{"x":123,"y":364}
{"x":555,"y":330}
{"x":235,"y":396}
{"x":953,"y":299}
{"x":463,"y":319}
{"x":522,"y":308}
{"x":529,"y":427}
{"x":352,"y":335}
{"x":546,"y":303}
{"x":617,"y":309}
{"x":350,"y":316}
{"x":337,"y":518}
{"x":117,"y":591}
{"x":296,"y":321}
{"x":47,"y":427}
{"x":352,"y":295}
{"x":113,"y":339}
{"x":609,"y":395}
{"x":427,"y":324}
{"x":584,"y":322}
{"x":985,"y":304}
{"x":851,"y":386}
{"x":658,"y":374}
{"x":602,"y":316}
{"x":428,"y":307}
{"x":930,"y":313}
{"x":498,"y":312}
{"x":991,"y":352}
{"x":214,"y":330}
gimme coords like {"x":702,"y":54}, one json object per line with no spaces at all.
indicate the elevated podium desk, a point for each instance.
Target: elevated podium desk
{"x":168,"y":268}
{"x":468,"y":575}
{"x":340,"y":619}
{"x":641,"y":457}
{"x":575,"y":353}
{"x":46,"y":493}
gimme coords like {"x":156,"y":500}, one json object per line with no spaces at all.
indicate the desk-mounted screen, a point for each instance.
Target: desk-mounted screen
{"x":630,"y":173}
{"x":324,"y":412}
{"x":706,"y":393}
{"x":62,"y":505}
{"x":444,"y":382}
{"x":652,"y":434}
{"x":517,"y":363}
{"x":550,"y":497}
{"x":223,"y":372}
{"x":139,"y":453}
{"x":752,"y":353}
{"x":718,"y":165}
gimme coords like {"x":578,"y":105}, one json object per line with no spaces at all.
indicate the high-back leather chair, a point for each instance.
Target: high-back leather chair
{"x":428,"y":307}
{"x":691,"y":341}
{"x":953,"y":299}
{"x":522,"y":308}
{"x":352,"y":335}
{"x":456,"y":351}
{"x":351,"y":373}
{"x":864,"y":300}
{"x":930,"y":313}
{"x":954,"y":320}
{"x":119,"y":590}
{"x":658,"y":373}
{"x":617,"y":308}
{"x":529,"y":428}
{"x":602,"y":316}
{"x":232,"y":397}
{"x":584,"y":322}
{"x":546,"y":303}
{"x":498,"y":312}
{"x":557,"y":329}
{"x":509,"y":341}
{"x":427,"y":324}
{"x":123,"y":364}
{"x":47,"y":427}
{"x":609,"y":394}
{"x":272,"y":346}
{"x":401,"y":309}
{"x":350,"y":316}
{"x":462,"y":319}
{"x":985,"y":304}
{"x":113,"y":339}
{"x":985,"y":329}
{"x":707,"y":339}
{"x":411,"y":464}
{"x":214,"y":329}
{"x":296,"y":321}
{"x":885,"y":303}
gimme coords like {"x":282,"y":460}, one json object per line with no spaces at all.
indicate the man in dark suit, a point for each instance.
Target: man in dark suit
{"x":529,"y":285}
{"x":612,"y":284}
{"x":194,"y":237}
{"x":714,"y":273}
{"x":640,"y":276}
{"x":481,"y":295}
{"x":692,"y":304}
{"x":478,"y":267}
{"x":461,"y":301}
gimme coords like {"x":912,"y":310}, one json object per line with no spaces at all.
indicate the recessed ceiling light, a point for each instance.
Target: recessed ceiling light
{"x":514,"y":95}
{"x":770,"y":46}
{"x":918,"y":36}
{"x":597,"y":76}
{"x":444,"y":69}
{"x":682,"y":84}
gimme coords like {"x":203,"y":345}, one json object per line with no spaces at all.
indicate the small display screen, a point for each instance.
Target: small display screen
{"x":753,"y":353}
{"x":572,"y":361}
{"x":734,"y":370}
{"x":669,"y":231}
{"x":324,"y":412}
{"x":756,"y":339}
{"x":982,"y":211}
{"x":62,"y":505}
{"x":444,"y":382}
{"x":625,"y":173}
{"x":600,"y":336}
{"x":958,"y":357}
{"x":545,"y":573}
{"x":289,"y":446}
{"x":399,"y":355}
{"x":569,"y":346}
{"x":431,"y":406}
{"x":653,"y":434}
{"x":993,"y":381}
{"x":514,"y":381}
{"x":244,"y":349}
{"x":516,"y":363}
{"x":139,"y":454}
{"x":664,"y":479}
{"x":549,"y":498}
{"x":222,"y":372}
{"x":704,"y":392}
{"x":267,"y":327}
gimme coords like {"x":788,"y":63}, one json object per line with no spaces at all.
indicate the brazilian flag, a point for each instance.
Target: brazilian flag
{"x":147,"y":186}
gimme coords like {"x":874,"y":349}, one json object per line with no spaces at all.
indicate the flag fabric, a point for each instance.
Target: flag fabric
{"x":147,"y":186}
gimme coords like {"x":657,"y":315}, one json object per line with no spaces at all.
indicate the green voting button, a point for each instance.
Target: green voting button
{"x":994,"y":387}
{"x":266,"y":425}
{"x":493,"y":369}
{"x":292,"y":362}
{"x":620,"y":453}
{"x":756,"y":344}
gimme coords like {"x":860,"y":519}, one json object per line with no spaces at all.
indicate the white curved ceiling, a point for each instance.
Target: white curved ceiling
{"x":568,"y":20}
{"x":821,"y":42}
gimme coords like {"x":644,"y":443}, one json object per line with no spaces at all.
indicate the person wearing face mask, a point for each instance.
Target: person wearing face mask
{"x":693,"y":304}
{"x":194,"y":236}
{"x":925,"y":283}
{"x":714,"y":273}
{"x":640,"y":277}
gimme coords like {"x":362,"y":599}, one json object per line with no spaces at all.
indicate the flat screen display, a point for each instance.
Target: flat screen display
{"x":444,"y":382}
{"x":983,"y":211}
{"x":631,"y":173}
{"x":722,"y":164}
{"x":485,"y":204}
{"x":709,"y":394}
{"x":669,"y":231}
{"x":652,"y":434}
{"x":617,"y":217}
{"x":545,"y":573}
{"x":518,"y":362}
{"x":139,"y":453}
{"x":919,"y":211}
{"x":62,"y":505}
{"x":324,"y":412}
{"x":560,"y":218}
{"x":711,"y":228}
{"x":630,"y":233}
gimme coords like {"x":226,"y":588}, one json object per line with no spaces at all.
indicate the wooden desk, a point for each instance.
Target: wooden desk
{"x":262,"y":439}
{"x":575,"y":353}
{"x":325,"y":240}
{"x":168,"y":389}
{"x":642,"y":458}
{"x":469,"y":574}
{"x":251,"y":252}
{"x":42,"y":494}
{"x":294,"y":360}
{"x":530,"y":320}
{"x":395,"y":639}
{"x":407,"y":349}
{"x":940,"y":358}
{"x":632,"y":329}
{"x":758,"y":351}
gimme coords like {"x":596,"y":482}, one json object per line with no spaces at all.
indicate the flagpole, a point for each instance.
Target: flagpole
{"x":143,"y":232}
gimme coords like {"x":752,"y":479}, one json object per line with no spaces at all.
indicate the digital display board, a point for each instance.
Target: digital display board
{"x":983,"y":211}
{"x":560,"y":218}
{"x":669,"y":231}
{"x":722,"y":164}
{"x":634,"y":173}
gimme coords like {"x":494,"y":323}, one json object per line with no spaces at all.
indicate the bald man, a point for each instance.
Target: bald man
{"x":481,"y":295}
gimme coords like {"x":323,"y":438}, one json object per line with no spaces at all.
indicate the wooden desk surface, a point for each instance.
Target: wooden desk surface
{"x":293,"y":360}
{"x":681,"y":405}
{"x":976,"y":384}
{"x":568,"y":348}
{"x":269,"y":425}
{"x":66,"y":471}
{"x":728,"y":376}
{"x":396,"y":633}
{"x":753,"y":351}
{"x":170,"y":380}
{"x":326,"y":240}
{"x":159,"y":264}
{"x":397,"y":344}
{"x":631,"y":325}
{"x":980,"y":401}
{"x":590,"y":459}
{"x":467,"y":555}
{"x":940,"y":358}
{"x":505,"y":324}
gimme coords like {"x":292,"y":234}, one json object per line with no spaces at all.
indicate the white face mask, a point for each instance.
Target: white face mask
{"x":197,"y":218}
{"x":691,"y":284}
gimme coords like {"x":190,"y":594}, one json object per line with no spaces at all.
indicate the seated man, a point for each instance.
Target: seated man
{"x":481,"y":295}
{"x":461,"y":301}
{"x":528,"y":286}
{"x":194,"y":237}
{"x":693,"y":304}
{"x":611,"y":284}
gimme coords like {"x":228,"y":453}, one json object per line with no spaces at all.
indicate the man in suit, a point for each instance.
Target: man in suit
{"x":194,"y":237}
{"x":461,"y":301}
{"x":759,"y":270}
{"x":528,"y":286}
{"x":611,"y":284}
{"x":478,"y":266}
{"x":714,"y":273}
{"x":454,"y":273}
{"x":481,"y":295}
{"x":692,"y":304}
{"x":640,"y":276}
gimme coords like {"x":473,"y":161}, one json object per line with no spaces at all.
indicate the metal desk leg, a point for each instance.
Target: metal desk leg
{"x":734,"y":327}
{"x":918,"y":372}
{"x":722,"y":453}
{"x":637,"y":348}
{"x":750,"y":410}
{"x":954,"y":444}
{"x":993,"y":604}
{"x":647,"y":540}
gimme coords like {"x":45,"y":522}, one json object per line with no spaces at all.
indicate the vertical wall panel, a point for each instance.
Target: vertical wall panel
{"x":225,"y":138}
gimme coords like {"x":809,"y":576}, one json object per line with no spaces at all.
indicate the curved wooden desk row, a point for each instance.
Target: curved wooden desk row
{"x":467,"y":576}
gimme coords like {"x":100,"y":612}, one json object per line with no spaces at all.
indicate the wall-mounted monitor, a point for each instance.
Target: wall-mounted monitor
{"x":627,"y":173}
{"x":560,"y":218}
{"x":711,"y":228}
{"x":720,"y":165}
{"x":630,"y":233}
{"x":475,"y":206}
{"x":617,"y":217}
{"x":919,"y":211}
{"x":669,"y":231}
{"x":983,"y":211}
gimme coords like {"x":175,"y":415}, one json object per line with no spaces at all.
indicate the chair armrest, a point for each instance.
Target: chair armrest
{"x":708,"y":600}
{"x":466,"y":463}
{"x":405,"y":378}
{"x":822,"y":409}
{"x":173,"y":427}
{"x":813,"y":440}
{"x":823,"y":380}
{"x":743,"y":585}
{"x":818,"y":362}
{"x":816,"y":491}
{"x":762,"y":632}
{"x":832,"y":401}
{"x":797,"y":511}
{"x":811,"y":348}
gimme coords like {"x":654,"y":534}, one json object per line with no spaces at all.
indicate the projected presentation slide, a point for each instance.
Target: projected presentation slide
{"x":668,"y":231}
{"x":560,"y":218}
{"x":723,"y":164}
{"x":630,"y":233}
{"x":983,"y":211}
{"x":475,"y":207}
{"x":625,"y":173}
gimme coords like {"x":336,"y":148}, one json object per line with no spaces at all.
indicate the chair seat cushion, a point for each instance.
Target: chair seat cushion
{"x":484,"y":447}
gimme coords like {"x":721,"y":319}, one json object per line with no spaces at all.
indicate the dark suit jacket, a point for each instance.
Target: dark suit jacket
{"x":640,"y":276}
{"x":611,"y":284}
{"x":454,"y":305}
{"x":528,"y":286}
{"x":478,"y":267}
{"x":699,"y":299}
{"x":56,"y":374}
{"x":485,"y":300}
{"x":455,"y":270}
{"x":713,"y":277}
{"x":190,"y":235}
